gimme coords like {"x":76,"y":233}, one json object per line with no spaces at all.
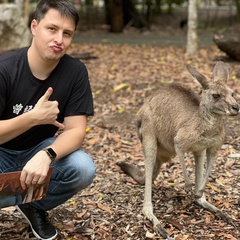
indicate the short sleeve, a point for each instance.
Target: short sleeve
{"x":80,"y":101}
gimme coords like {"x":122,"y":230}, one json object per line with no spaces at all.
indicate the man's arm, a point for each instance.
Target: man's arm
{"x":72,"y":136}
{"x":67,"y":142}
{"x":44,"y":112}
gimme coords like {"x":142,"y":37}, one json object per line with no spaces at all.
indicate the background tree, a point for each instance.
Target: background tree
{"x":237,"y":3}
{"x":14,"y":32}
{"x":116,"y":11}
{"x":26,"y":11}
{"x":192,"y":36}
{"x":119,"y":13}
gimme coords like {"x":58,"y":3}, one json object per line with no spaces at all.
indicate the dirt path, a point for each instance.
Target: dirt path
{"x":110,"y":209}
{"x":148,"y":38}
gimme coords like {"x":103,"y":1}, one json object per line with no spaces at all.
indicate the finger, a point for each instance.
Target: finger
{"x":41,"y":180}
{"x":22,"y":180}
{"x":36,"y":195}
{"x":29,"y":180}
{"x":58,"y":124}
{"x":35,"y":181}
{"x":41,"y":190}
{"x":47,"y":94}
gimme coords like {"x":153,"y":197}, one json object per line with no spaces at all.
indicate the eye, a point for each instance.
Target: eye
{"x":67,"y":34}
{"x":51,"y":29}
{"x":216,"y":96}
{"x":233,"y":94}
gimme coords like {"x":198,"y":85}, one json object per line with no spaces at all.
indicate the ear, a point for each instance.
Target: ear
{"x":220,"y":72}
{"x":34,"y":24}
{"x":198,"y":77}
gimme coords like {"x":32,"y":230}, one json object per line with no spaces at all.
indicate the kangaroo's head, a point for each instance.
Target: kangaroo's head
{"x":217,"y":98}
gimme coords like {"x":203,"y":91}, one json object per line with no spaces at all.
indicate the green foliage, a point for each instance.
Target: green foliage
{"x":177,"y":2}
{"x":6,"y":1}
{"x":89,"y":2}
{"x":168,"y":5}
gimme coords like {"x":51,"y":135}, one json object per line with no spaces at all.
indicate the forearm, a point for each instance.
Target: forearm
{"x":13,"y":127}
{"x":68,"y":142}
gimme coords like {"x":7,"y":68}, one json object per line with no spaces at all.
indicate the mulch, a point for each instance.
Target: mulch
{"x":121,"y":77}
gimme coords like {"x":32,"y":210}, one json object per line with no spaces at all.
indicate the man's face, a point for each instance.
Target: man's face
{"x":52,"y":35}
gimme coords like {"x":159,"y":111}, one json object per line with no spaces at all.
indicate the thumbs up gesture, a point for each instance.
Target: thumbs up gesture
{"x":45,"y":111}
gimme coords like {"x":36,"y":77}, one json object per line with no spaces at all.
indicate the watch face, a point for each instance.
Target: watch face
{"x":52,"y":153}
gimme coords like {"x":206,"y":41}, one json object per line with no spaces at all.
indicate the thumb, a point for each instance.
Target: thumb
{"x":59,"y":125}
{"x":47,"y":94}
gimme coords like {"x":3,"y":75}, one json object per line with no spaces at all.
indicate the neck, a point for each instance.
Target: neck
{"x":211,"y":120}
{"x":40,"y":68}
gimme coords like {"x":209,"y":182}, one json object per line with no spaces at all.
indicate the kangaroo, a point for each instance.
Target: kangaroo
{"x":176,"y":120}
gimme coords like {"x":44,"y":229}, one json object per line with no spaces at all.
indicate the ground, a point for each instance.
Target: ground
{"x":121,"y":76}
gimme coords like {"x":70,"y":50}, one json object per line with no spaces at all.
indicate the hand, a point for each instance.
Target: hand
{"x":46,"y":111}
{"x":36,"y":170}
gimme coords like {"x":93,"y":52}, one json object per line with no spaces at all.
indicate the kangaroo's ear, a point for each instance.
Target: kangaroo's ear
{"x":220,"y":72}
{"x":198,"y":77}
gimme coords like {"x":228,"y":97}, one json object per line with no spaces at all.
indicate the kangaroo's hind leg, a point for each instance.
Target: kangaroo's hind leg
{"x":152,"y":167}
{"x":201,"y":180}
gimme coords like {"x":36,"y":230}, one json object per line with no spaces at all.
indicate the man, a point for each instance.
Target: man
{"x":42,"y":90}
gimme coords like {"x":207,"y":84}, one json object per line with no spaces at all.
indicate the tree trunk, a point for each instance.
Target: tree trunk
{"x":14,"y":32}
{"x":192,"y":36}
{"x":120,"y":13}
{"x":158,"y":7}
{"x":26,"y":11}
{"x":237,"y":3}
{"x":116,"y":16}
{"x":20,"y":7}
{"x":107,"y":11}
{"x":149,"y":13}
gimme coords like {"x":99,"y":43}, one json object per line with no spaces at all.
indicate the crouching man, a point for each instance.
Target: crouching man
{"x":42,"y":90}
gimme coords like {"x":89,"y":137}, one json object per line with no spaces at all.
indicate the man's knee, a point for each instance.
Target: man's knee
{"x":88,"y":176}
{"x":82,"y":170}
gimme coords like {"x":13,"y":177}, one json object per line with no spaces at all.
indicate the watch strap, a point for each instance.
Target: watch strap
{"x":51,"y":153}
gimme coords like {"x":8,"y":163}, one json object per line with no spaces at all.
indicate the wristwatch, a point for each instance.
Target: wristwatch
{"x":50,"y":152}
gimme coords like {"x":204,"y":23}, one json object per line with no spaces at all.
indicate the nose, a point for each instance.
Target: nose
{"x":58,"y":38}
{"x":235,"y":107}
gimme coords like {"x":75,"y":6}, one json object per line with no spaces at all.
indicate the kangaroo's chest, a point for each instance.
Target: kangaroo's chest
{"x":203,"y":142}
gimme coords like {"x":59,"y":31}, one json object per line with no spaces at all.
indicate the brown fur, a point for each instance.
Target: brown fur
{"x":175,"y":121}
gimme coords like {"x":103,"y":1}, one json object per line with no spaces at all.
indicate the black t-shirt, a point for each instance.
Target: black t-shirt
{"x":20,"y":91}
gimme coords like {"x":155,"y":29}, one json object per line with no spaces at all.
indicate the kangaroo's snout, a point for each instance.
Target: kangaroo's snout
{"x":234,"y":110}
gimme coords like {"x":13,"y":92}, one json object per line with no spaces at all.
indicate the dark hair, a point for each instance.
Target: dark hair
{"x":65,"y":8}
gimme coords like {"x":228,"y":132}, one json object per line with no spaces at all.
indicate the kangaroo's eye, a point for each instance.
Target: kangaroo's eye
{"x":233,"y":94}
{"x":216,"y":96}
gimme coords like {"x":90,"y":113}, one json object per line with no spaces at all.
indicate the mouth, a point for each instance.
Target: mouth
{"x":220,"y":111}
{"x":233,"y":112}
{"x":56,"y":48}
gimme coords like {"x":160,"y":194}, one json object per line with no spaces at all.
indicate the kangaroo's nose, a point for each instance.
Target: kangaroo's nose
{"x":235,"y":107}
